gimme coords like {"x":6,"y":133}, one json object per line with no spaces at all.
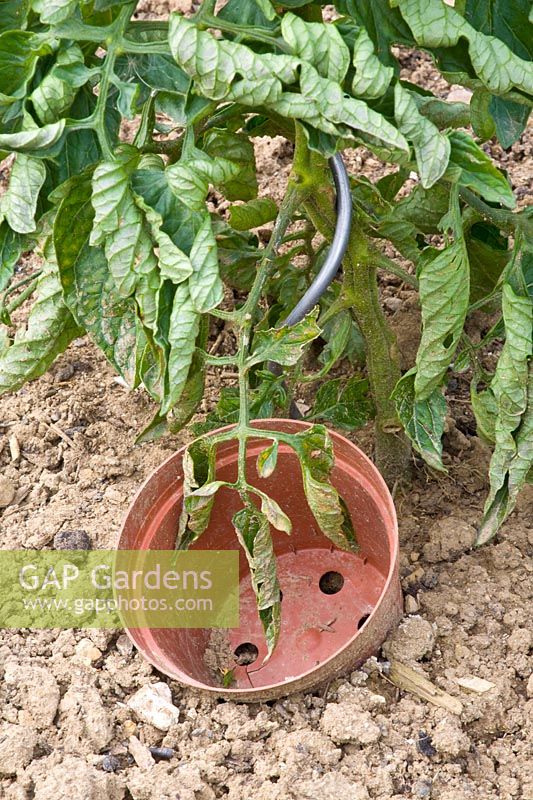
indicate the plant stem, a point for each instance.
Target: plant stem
{"x":392,"y":452}
{"x":292,"y":200}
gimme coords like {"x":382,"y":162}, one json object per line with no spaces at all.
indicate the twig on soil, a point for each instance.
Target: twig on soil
{"x":409,"y":680}
{"x":61,"y":434}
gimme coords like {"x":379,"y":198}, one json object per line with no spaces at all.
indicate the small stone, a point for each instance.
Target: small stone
{"x":424,"y":744}
{"x":110,"y":763}
{"x":124,"y":645}
{"x":529,"y":687}
{"x":474,"y":684}
{"x":17,"y":743}
{"x":520,"y":641}
{"x":129,"y":727}
{"x":87,"y":652}
{"x":37,"y":693}
{"x":413,"y":640}
{"x":114,"y":496}
{"x":141,"y":754}
{"x":410,"y":604}
{"x":7,"y":491}
{"x":72,"y":540}
{"x":345,"y":723}
{"x":153,"y":704}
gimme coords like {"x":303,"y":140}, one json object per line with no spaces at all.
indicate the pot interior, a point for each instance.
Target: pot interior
{"x":327,"y":595}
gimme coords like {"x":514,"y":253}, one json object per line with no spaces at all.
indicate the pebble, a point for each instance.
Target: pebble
{"x":87,"y":652}
{"x":153,"y":704}
{"x":345,"y":723}
{"x":529,"y":687}
{"x":124,"y":645}
{"x":141,"y":754}
{"x":410,"y":604}
{"x":7,"y":491}
{"x":413,"y":640}
{"x":72,"y":540}
{"x":110,"y":763}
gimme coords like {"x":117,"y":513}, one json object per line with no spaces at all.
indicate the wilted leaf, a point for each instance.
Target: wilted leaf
{"x":372,"y":78}
{"x":33,"y":140}
{"x":267,"y":460}
{"x":184,"y":326}
{"x":432,"y":148}
{"x":423,"y":420}
{"x":253,"y":532}
{"x":478,"y":171}
{"x":205,"y":285}
{"x":48,"y":332}
{"x":444,"y":292}
{"x":317,"y":43}
{"x":345,"y":406}
{"x":19,"y":203}
{"x":284,"y":345}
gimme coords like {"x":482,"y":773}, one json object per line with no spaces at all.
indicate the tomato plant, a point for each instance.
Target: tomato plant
{"x":133,"y":257}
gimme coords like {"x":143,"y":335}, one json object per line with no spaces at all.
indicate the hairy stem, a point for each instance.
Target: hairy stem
{"x":361,"y":292}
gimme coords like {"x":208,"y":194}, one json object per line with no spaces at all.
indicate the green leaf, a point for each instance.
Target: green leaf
{"x":54,"y":96}
{"x":344,"y":406}
{"x":253,"y":214}
{"x":88,"y":285}
{"x":423,"y":420}
{"x":19,"y":203}
{"x":513,"y":450}
{"x":179,"y":222}
{"x":11,"y":247}
{"x":48,"y":332}
{"x":284,"y":345}
{"x":384,"y":25}
{"x":372,"y":78}
{"x":267,"y":460}
{"x":173,"y":263}
{"x":34,"y":139}
{"x":19,"y":53}
{"x":111,"y":193}
{"x":432,"y":148}
{"x":478,"y":171}
{"x":205,"y":287}
{"x":436,"y":25}
{"x":13,"y":14}
{"x":253,"y":533}
{"x":444,"y":292}
{"x":318,"y":43}
{"x":54,"y":11}
{"x":183,"y":330}
{"x":485,"y":411}
{"x":237,"y":148}
{"x":488,"y":254}
{"x":481,"y":118}
{"x":510,"y":120}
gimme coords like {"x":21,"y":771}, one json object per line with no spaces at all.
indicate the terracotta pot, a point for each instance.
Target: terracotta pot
{"x":337,"y":608}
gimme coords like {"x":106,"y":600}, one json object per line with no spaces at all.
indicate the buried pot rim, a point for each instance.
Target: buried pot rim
{"x":303,"y":679}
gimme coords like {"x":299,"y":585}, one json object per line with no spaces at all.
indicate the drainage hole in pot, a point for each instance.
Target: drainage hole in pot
{"x":362,"y":621}
{"x":245,"y":654}
{"x":331,"y":582}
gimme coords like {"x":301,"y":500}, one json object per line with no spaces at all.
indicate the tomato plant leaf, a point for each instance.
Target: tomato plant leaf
{"x":19,"y":203}
{"x":184,"y":326}
{"x":431,"y":147}
{"x":478,"y":172}
{"x":49,"y":330}
{"x":345,"y":406}
{"x":253,"y":533}
{"x":33,"y":140}
{"x":88,"y":285}
{"x":267,"y":460}
{"x":513,"y":452}
{"x":444,"y":287}
{"x":284,"y":345}
{"x":423,"y":420}
{"x":372,"y":78}
{"x":317,"y":43}
{"x":205,"y":285}
{"x":253,"y":214}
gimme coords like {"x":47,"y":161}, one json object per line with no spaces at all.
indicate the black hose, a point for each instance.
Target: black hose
{"x":330,"y":267}
{"x":338,"y":245}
